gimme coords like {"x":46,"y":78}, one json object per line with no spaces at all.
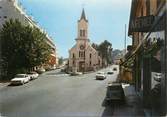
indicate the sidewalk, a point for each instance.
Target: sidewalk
{"x":133,"y":106}
{"x":4,"y":84}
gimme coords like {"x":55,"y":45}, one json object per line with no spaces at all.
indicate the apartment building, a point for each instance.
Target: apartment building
{"x":12,"y":9}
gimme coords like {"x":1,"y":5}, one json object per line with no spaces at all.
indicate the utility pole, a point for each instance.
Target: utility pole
{"x":125,"y":39}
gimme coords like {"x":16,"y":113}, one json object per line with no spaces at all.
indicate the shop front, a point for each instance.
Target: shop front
{"x":153,"y":70}
{"x":148,"y":30}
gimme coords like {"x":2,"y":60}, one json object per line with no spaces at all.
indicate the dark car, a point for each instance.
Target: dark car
{"x":115,"y":92}
{"x":114,"y":69}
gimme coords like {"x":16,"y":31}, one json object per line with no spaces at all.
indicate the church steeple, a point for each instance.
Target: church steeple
{"x":83,"y":27}
{"x":83,"y":16}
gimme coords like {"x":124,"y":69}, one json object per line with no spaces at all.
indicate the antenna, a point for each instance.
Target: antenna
{"x":125,"y":39}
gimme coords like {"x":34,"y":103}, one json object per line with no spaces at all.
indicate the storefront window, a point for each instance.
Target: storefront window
{"x":155,"y":50}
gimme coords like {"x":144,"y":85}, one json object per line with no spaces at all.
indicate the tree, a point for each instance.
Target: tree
{"x":105,"y":49}
{"x":22,"y":46}
{"x":38,"y":50}
{"x":60,"y":60}
{"x":95,"y":46}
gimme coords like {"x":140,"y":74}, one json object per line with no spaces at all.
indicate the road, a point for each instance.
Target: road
{"x":54,"y":94}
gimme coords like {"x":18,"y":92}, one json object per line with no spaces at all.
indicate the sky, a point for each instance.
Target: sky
{"x":107,"y":19}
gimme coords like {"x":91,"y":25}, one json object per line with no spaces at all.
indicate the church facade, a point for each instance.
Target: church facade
{"x":82,"y":56}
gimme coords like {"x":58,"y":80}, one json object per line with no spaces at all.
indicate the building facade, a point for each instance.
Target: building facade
{"x":82,"y":56}
{"x":148,"y":30}
{"x":12,"y":9}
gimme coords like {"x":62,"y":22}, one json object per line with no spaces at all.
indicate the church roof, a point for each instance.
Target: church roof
{"x":83,"y":16}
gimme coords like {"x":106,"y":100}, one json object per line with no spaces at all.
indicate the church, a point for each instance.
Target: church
{"x":82,"y":56}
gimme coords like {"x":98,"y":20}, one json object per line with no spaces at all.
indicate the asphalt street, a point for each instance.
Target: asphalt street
{"x":56,"y":94}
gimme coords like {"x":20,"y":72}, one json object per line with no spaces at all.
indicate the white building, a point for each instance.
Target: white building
{"x":12,"y":9}
{"x":82,"y":56}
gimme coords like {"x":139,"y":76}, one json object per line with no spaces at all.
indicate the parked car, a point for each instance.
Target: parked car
{"x":114,"y":69}
{"x":75,"y":73}
{"x":115,"y":92}
{"x":110,"y":72}
{"x":62,"y":69}
{"x":100,"y":76}
{"x":41,"y":70}
{"x":20,"y":79}
{"x":53,"y":68}
{"x":33,"y":75}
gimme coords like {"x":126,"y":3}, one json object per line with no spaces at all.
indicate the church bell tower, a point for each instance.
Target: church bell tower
{"x":83,"y":27}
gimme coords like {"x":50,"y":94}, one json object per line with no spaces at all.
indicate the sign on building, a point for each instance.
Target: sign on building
{"x":142,"y":24}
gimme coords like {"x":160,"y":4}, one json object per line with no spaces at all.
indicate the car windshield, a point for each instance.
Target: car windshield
{"x":20,"y":75}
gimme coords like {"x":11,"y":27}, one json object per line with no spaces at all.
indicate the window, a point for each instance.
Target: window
{"x":90,"y":63}
{"x":90,"y":55}
{"x":73,"y":55}
{"x":5,"y":17}
{"x":81,"y":33}
{"x":73,"y":62}
{"x":81,"y":54}
{"x":0,"y":7}
{"x":99,"y":62}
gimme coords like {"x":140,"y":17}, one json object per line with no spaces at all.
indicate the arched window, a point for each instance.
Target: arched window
{"x":90,"y":55}
{"x":90,"y":63}
{"x":73,"y":55}
{"x":81,"y":33}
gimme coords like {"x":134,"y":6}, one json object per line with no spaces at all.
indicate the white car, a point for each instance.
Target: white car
{"x":41,"y":70}
{"x":100,"y":76}
{"x":33,"y":75}
{"x":20,"y":79}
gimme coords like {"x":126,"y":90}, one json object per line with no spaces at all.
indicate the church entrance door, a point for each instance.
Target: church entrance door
{"x":81,"y":66}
